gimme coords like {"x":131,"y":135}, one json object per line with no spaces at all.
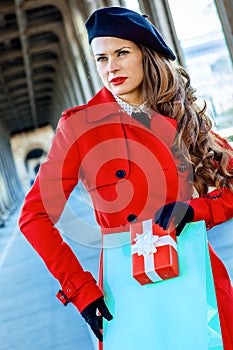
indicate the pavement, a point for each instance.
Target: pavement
{"x":31,"y":317}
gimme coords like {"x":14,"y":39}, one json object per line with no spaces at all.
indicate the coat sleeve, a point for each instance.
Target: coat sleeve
{"x":214,"y":208}
{"x":217,"y":206}
{"x":41,"y":210}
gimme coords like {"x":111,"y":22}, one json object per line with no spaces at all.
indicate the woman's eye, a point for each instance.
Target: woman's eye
{"x":101,"y":59}
{"x":123,"y":52}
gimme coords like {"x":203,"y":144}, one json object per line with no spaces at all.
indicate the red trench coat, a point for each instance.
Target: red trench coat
{"x":129,"y":172}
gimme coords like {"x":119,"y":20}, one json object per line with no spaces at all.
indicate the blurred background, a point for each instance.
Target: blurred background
{"x":45,"y":68}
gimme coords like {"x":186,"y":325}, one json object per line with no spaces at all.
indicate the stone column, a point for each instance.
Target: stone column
{"x":10,"y":188}
{"x":225,"y":11}
{"x":160,"y":15}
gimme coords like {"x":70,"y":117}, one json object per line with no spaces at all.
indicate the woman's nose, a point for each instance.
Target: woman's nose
{"x":112,"y":65}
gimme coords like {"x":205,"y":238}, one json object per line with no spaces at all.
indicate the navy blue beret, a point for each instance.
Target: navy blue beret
{"x":126,"y":24}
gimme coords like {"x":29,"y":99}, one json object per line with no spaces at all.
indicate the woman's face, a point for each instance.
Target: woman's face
{"x":119,"y":64}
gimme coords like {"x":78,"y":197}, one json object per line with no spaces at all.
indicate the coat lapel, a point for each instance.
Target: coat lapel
{"x":164,"y":128}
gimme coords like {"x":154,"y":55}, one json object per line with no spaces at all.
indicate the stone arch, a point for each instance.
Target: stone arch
{"x":23,"y":149}
{"x":34,"y":149}
{"x":33,"y":161}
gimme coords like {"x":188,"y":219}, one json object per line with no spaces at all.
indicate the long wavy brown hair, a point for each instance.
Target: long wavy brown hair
{"x":167,"y":90}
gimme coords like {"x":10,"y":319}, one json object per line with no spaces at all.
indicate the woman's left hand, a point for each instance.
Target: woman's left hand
{"x":94,"y":321}
{"x":175,"y":213}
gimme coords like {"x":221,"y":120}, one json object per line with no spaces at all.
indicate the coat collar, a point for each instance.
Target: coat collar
{"x":102,"y":105}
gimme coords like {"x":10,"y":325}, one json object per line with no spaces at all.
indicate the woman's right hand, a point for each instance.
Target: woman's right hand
{"x":175,"y":213}
{"x":96,"y":321}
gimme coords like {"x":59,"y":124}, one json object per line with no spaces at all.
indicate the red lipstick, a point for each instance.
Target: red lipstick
{"x":118,"y":80}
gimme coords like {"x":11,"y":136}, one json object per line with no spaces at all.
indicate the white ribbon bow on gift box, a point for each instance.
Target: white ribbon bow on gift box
{"x":146,"y":243}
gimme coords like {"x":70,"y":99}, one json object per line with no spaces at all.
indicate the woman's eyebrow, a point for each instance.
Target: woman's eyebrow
{"x":116,"y":51}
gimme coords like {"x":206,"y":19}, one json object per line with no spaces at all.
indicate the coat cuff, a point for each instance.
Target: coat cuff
{"x":209,"y":208}
{"x":81,"y":292}
{"x":85,"y":296}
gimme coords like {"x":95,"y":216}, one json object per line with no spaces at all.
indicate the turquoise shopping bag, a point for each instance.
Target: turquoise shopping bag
{"x":176,"y":314}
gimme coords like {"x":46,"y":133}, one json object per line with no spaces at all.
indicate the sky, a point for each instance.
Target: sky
{"x":194,"y":18}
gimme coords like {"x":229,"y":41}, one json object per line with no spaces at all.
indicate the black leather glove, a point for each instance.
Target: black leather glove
{"x":177,"y":213}
{"x":94,"y":321}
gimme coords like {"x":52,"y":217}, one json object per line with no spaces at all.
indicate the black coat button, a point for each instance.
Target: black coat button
{"x":132,"y":218}
{"x":182,"y":167}
{"x":120,"y":173}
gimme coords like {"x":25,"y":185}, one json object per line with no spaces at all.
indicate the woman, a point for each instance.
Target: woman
{"x":134,"y":168}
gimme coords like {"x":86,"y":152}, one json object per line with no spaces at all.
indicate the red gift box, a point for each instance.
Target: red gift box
{"x":154,"y":252}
